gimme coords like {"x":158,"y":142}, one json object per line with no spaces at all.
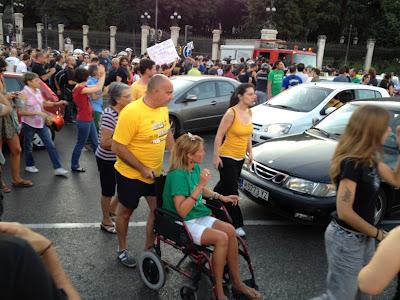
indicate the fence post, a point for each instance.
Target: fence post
{"x":39,"y":28}
{"x":175,"y":34}
{"x":113,"y":32}
{"x":145,"y":34}
{"x":61,"y":37}
{"x":370,"y":53}
{"x":321,"y":49}
{"x":1,"y":29}
{"x":19,"y":26}
{"x":215,"y":46}
{"x":85,"y":29}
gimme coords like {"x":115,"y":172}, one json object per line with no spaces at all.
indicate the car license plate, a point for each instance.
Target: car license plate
{"x":254,"y":190}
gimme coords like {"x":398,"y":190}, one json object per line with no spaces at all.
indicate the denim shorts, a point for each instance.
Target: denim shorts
{"x":347,"y":253}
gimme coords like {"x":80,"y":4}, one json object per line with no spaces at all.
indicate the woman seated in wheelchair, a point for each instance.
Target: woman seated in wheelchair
{"x":184,"y":187}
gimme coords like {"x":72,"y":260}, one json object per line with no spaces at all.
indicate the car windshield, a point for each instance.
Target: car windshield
{"x":307,"y":60}
{"x":180,"y":85}
{"x":336,"y":123}
{"x":300,"y":98}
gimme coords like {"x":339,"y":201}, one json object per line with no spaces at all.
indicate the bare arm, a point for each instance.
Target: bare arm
{"x":61,"y":280}
{"x":106,"y":138}
{"x":95,"y":88}
{"x":344,"y":207}
{"x":269,"y":89}
{"x":226,"y":122}
{"x":185,"y":204}
{"x":170,"y":140}
{"x":383,"y":267}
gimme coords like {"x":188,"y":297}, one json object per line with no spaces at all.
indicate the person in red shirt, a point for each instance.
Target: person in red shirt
{"x":84,"y":119}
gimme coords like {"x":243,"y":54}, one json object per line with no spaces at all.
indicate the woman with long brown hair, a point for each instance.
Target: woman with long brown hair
{"x":185,"y":186}
{"x":229,"y":153}
{"x":357,"y":170}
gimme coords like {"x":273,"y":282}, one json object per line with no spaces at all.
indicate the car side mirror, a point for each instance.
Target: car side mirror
{"x":327,"y":110}
{"x":315,"y":121}
{"x":190,"y":98}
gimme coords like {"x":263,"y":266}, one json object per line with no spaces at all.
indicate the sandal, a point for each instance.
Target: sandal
{"x":113,"y":217}
{"x":79,"y":170}
{"x":23,"y":183}
{"x":5,"y":189}
{"x":108,"y":228}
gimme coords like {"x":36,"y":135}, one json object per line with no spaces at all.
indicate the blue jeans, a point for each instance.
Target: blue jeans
{"x":86,"y":130}
{"x":347,"y":252}
{"x":44,"y":134}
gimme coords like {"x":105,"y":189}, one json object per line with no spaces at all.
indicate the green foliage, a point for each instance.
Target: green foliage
{"x":295,"y":19}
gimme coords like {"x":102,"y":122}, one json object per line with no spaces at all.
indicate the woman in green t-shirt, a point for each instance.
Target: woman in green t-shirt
{"x":183,"y":190}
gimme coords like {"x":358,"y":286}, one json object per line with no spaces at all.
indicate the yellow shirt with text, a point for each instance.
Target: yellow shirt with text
{"x":138,"y":90}
{"x":144,"y":131}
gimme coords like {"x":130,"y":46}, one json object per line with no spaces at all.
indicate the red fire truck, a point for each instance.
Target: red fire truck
{"x":272,"y":50}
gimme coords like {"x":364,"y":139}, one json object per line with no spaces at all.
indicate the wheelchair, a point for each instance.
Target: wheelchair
{"x":171,"y":229}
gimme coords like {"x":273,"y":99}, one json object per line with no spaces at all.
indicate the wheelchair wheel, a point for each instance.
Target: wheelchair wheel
{"x":188,"y":292}
{"x":152,"y":270}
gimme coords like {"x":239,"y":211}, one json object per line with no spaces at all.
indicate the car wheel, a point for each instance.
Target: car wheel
{"x":175,"y":128}
{"x":37,"y":141}
{"x":380,"y":207}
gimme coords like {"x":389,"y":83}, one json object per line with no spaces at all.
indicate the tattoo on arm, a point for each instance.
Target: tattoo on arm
{"x":346,"y":197}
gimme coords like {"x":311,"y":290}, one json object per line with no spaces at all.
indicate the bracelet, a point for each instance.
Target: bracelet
{"x":377,"y":233}
{"x":193,"y":198}
{"x":216,"y":195}
{"x":47,"y":248}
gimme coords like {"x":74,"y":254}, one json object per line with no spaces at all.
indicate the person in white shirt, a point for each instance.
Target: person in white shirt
{"x":23,"y":65}
{"x":12,"y":61}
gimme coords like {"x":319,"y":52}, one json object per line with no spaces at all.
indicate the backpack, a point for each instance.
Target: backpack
{"x":61,"y":78}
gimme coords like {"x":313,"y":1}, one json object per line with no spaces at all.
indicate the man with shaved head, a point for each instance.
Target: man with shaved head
{"x":139,"y":141}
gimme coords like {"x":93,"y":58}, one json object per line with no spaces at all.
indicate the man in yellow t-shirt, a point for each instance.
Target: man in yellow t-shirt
{"x":147,"y":69}
{"x":139,"y":141}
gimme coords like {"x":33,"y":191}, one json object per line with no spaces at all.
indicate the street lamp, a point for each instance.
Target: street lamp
{"x":145,"y":17}
{"x":175,"y":18}
{"x":348,"y":31}
{"x":271,"y":9}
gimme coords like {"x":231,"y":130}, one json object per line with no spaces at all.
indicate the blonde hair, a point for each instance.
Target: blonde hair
{"x":184,"y":145}
{"x":362,"y":138}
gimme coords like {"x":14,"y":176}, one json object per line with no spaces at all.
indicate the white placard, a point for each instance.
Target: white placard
{"x":69,"y":47}
{"x":163,"y":53}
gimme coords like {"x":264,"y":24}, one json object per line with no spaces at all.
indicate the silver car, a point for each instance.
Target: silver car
{"x":199,"y":102}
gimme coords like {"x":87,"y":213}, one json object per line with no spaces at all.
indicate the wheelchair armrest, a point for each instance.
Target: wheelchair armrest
{"x":170,"y":214}
{"x":213,"y":203}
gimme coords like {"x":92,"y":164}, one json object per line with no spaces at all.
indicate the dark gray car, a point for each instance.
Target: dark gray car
{"x":199,"y":102}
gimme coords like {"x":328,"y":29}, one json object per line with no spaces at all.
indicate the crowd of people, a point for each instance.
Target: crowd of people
{"x":129,"y":134}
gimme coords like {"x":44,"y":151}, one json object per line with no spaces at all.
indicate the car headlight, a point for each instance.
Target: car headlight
{"x":278,"y":128}
{"x":246,"y":165}
{"x":316,"y":189}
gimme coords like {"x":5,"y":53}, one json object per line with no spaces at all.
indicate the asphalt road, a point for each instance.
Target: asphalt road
{"x":289,"y":258}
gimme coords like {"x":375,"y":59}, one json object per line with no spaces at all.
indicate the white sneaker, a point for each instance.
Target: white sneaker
{"x":240,"y":232}
{"x":60,"y":172}
{"x":32,"y":169}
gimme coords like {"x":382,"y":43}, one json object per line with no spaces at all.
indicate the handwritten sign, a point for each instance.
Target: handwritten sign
{"x":163,"y":53}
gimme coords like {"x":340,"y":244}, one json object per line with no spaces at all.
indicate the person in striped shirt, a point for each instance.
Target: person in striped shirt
{"x":120,"y":95}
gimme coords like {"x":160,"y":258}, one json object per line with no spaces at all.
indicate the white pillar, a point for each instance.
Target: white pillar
{"x":61,"y":37}
{"x":39,"y":29}
{"x":19,"y":26}
{"x":85,"y":29}
{"x":1,"y":30}
{"x":370,"y":53}
{"x":215,"y":46}
{"x":175,"y":34}
{"x":145,"y":34}
{"x":269,"y":34}
{"x":321,"y":49}
{"x":113,"y":32}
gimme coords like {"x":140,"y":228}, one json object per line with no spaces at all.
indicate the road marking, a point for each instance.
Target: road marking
{"x":143,"y":224}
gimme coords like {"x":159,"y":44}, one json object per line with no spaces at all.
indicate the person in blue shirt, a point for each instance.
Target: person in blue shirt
{"x":292,"y":79}
{"x":96,"y":99}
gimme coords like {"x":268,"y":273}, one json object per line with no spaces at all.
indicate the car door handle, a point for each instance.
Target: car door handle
{"x":213,"y":102}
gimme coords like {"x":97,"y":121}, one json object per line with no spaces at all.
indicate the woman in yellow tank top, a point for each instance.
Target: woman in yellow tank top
{"x":229,"y":155}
